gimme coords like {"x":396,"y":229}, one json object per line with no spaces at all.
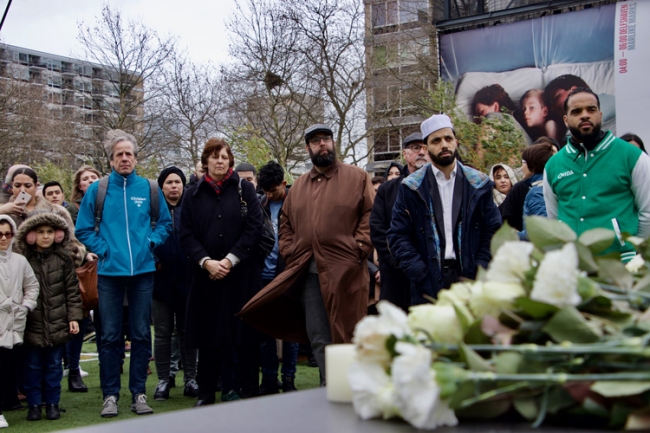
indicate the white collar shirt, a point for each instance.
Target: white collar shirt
{"x":446,"y":191}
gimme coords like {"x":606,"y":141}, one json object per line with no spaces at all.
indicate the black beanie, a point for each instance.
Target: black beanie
{"x":169,"y":170}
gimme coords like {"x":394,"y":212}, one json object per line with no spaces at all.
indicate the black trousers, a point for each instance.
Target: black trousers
{"x":450,"y":273}
{"x":7,"y":377}
{"x":246,"y":368}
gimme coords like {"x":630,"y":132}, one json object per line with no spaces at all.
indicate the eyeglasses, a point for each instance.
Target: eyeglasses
{"x":6,"y":235}
{"x":316,"y":140}
{"x":416,"y":147}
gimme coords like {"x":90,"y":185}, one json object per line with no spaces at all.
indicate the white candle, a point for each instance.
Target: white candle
{"x":338,"y":358}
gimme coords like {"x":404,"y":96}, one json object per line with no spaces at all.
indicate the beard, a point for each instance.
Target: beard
{"x":444,"y":161}
{"x":322,"y":160}
{"x":582,"y":137}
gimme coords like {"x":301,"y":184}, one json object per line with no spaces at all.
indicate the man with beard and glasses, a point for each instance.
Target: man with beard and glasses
{"x":324,"y":239}
{"x":597,"y":179}
{"x":395,"y":286}
{"x":444,"y":217}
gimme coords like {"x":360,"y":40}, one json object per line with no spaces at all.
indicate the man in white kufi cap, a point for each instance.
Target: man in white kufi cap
{"x":444,"y":217}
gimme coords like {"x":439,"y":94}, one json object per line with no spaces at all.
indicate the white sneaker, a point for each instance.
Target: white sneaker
{"x":3,"y":422}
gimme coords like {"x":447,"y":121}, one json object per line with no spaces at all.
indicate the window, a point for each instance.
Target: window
{"x":387,"y":142}
{"x":385,"y":56}
{"x":385,"y":14}
{"x":413,"y":10}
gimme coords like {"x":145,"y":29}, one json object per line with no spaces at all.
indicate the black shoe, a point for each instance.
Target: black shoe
{"x":52,"y":411}
{"x":34,"y":413}
{"x":162,"y":391}
{"x":311,"y":360}
{"x":13,"y":406}
{"x":191,"y":389}
{"x":269,"y":386}
{"x":287,"y":384}
{"x":172,"y":381}
{"x":75,"y":383}
{"x":205,"y":402}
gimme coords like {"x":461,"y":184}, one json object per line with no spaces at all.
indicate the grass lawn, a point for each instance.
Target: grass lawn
{"x":83,"y":409}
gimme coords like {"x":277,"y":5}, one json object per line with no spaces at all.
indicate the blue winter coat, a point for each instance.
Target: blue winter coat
{"x":534,"y":203}
{"x":125,"y":240}
{"x":413,"y":236}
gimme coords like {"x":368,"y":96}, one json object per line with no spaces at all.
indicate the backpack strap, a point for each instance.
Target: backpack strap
{"x":99,"y":201}
{"x":154,"y":201}
{"x":243,"y":206}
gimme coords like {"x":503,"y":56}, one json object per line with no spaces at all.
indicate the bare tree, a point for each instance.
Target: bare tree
{"x":26,"y":125}
{"x":265,"y":85}
{"x":331,"y":46}
{"x":127,"y":58}
{"x":191,"y":98}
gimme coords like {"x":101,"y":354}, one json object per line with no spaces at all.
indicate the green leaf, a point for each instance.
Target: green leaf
{"x":614,"y":272}
{"x":507,"y":362}
{"x":473,"y":360}
{"x":597,"y":240}
{"x":611,"y":388}
{"x":464,"y":315}
{"x":587,"y":288}
{"x":601,"y":306}
{"x":586,"y":259}
{"x":643,"y":285}
{"x":594,"y":408}
{"x":484,"y":410}
{"x":558,"y":399}
{"x":569,"y":325}
{"x":527,"y":407}
{"x":475,"y":335}
{"x":535,"y":309}
{"x":503,"y":235}
{"x":547,"y":234}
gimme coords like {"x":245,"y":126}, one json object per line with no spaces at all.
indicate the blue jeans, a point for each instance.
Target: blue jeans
{"x":139,"y":291}
{"x":270,"y":361}
{"x":43,"y":374}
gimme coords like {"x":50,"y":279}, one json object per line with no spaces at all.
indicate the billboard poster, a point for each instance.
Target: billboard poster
{"x":527,"y":68}
{"x":632,"y":63}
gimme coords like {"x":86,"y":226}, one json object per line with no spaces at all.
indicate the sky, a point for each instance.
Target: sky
{"x":51,"y":26}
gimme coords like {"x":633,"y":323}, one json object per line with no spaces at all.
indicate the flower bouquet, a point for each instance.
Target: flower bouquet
{"x":551,"y":330}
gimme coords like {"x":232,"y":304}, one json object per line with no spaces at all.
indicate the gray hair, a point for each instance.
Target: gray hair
{"x":115,"y":136}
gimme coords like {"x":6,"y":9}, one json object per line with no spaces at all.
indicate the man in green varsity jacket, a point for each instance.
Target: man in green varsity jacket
{"x":597,"y":179}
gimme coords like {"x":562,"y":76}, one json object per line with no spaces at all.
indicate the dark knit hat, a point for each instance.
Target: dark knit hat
{"x":169,"y":170}
{"x":244,"y":166}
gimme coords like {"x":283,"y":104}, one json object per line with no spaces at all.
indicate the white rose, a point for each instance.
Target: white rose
{"x":510,"y":263}
{"x":416,"y":390}
{"x":461,"y":292}
{"x":635,"y":265}
{"x":556,"y":282}
{"x":371,"y":333}
{"x":490,"y":298}
{"x":438,"y":321}
{"x":373,"y":394}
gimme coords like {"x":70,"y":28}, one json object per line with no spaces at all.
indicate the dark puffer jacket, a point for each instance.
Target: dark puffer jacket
{"x":59,"y":301}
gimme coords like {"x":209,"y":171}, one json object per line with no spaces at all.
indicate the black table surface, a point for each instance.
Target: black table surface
{"x":296,"y":412}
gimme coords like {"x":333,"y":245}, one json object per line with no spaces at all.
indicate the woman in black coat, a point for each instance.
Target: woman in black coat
{"x":224,"y":271}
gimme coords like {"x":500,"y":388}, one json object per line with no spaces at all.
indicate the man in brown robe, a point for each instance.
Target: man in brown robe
{"x":325,"y":241}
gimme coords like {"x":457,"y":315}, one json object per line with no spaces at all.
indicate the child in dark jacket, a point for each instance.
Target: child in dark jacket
{"x":44,"y":238}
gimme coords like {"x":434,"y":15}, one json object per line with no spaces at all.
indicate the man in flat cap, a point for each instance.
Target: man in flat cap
{"x":395,"y":285}
{"x":444,"y":217}
{"x":325,"y":241}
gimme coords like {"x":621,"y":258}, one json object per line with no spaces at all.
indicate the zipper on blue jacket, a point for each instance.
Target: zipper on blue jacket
{"x":128,"y":238}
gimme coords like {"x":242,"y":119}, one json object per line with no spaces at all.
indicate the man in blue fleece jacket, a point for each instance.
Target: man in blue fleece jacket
{"x":124,"y":245}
